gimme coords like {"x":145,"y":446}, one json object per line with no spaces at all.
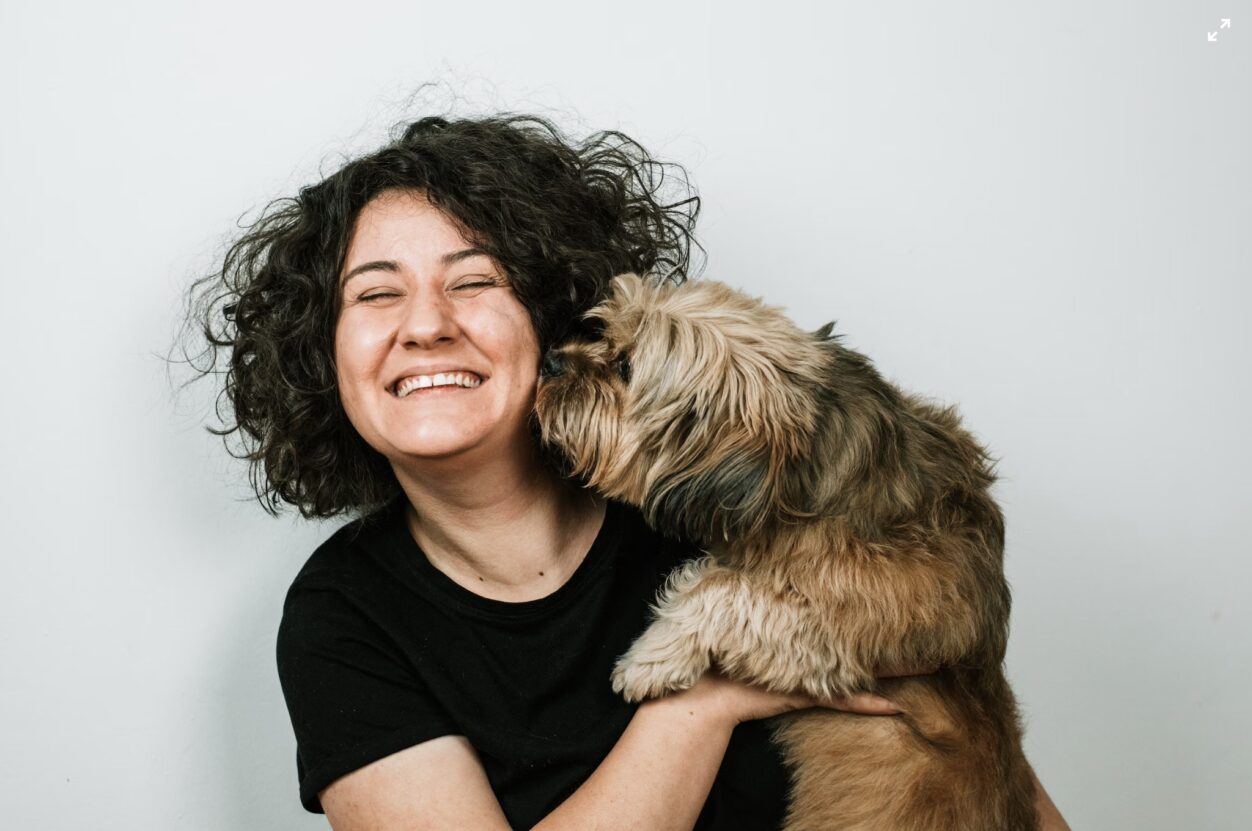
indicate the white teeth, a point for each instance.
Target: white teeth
{"x":439,"y":379}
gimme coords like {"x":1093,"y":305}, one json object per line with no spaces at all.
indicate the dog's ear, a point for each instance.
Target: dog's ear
{"x":824,"y":333}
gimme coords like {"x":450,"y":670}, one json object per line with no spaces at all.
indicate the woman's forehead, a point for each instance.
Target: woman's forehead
{"x":408,"y":229}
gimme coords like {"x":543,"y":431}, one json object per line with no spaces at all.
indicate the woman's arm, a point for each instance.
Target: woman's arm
{"x":437,"y":785}
{"x":675,"y":784}
{"x":657,"y":777}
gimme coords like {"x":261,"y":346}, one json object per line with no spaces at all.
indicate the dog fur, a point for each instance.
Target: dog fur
{"x":846,"y":526}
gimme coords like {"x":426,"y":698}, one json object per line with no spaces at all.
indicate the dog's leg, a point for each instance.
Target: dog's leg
{"x":673,"y":652}
{"x":712,"y":614}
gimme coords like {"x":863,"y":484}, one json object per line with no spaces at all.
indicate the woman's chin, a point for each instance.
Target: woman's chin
{"x":435,"y":449}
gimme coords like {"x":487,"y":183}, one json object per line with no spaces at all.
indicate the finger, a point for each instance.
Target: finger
{"x":864,"y":703}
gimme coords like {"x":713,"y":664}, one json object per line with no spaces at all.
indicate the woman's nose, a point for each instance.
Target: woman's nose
{"x":427,"y":321}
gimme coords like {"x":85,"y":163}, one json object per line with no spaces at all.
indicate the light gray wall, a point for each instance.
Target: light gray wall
{"x":1040,"y":212}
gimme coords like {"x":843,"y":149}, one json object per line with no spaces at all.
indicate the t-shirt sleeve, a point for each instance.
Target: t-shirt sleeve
{"x":352,"y":697}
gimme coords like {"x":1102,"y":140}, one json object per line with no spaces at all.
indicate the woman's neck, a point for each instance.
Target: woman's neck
{"x":508,"y":529}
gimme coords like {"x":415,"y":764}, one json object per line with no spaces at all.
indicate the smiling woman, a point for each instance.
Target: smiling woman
{"x":445,"y":655}
{"x":435,"y":355}
{"x":517,"y":202}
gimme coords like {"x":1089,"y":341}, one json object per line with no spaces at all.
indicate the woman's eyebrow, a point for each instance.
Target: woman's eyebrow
{"x":373,"y":265}
{"x":393,"y":266}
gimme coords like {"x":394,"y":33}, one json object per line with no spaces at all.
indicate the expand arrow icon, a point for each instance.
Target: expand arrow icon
{"x":1212,"y":37}
{"x":1225,"y":22}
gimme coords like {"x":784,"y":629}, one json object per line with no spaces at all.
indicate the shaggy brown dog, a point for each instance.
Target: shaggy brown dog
{"x":847,"y":526}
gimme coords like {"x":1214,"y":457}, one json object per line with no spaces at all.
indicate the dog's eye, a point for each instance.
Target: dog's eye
{"x":622,"y":366}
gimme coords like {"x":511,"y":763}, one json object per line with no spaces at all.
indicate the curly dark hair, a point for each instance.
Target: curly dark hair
{"x":561,"y":217}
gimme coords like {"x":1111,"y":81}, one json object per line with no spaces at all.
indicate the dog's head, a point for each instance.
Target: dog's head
{"x":690,"y":402}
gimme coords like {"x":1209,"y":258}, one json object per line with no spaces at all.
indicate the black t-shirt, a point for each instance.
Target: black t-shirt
{"x":378,"y":650}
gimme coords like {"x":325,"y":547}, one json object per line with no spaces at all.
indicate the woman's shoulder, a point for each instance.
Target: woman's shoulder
{"x":366,"y":532}
{"x":352,"y":556}
{"x":347,"y":594}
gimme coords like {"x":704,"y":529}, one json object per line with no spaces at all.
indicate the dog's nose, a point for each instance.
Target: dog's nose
{"x":553,"y":365}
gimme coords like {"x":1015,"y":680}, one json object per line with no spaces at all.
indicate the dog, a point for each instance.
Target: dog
{"x":844,"y":526}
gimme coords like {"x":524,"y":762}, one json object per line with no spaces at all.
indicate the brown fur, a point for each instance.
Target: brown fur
{"x":847,"y":526}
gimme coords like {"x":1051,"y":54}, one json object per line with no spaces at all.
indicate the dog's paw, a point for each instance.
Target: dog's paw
{"x":639,"y":680}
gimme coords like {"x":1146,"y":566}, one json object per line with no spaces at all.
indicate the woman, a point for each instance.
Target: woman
{"x":445,"y":657}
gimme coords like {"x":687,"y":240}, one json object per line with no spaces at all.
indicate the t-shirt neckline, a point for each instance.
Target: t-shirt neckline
{"x":605,"y":544}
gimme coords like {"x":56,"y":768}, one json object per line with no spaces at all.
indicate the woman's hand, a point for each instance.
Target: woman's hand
{"x":737,"y":702}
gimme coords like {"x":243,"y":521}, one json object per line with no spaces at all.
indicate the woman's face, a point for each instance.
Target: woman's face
{"x":435,"y":355}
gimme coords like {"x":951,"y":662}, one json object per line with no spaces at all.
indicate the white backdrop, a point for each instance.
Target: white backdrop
{"x":1040,"y":213}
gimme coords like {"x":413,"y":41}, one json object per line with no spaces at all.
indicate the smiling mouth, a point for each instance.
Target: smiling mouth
{"x":439,"y":381}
